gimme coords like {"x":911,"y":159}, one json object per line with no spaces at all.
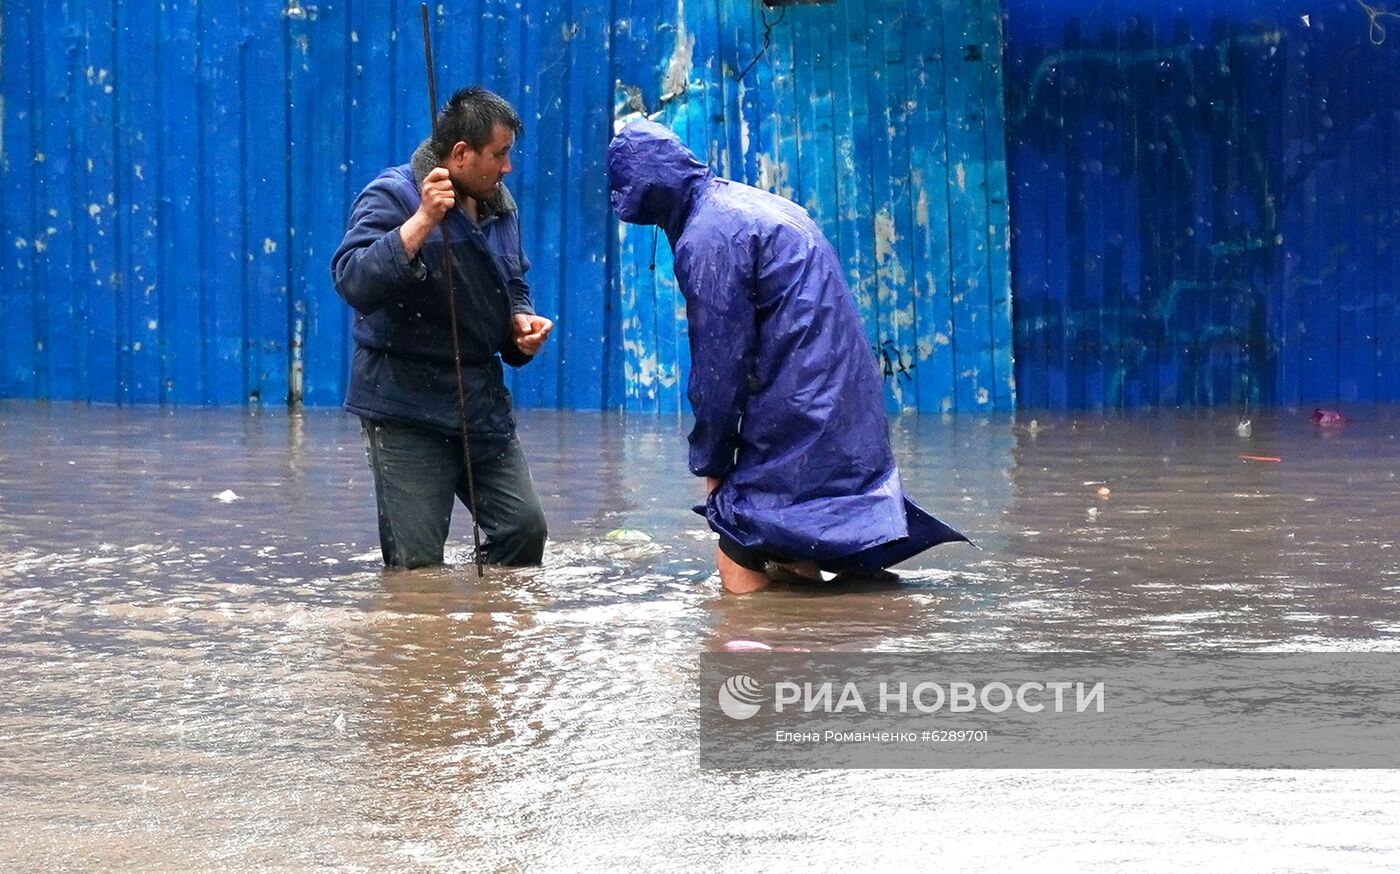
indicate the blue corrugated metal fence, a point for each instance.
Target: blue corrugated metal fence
{"x":1206,"y":199}
{"x":176,"y":176}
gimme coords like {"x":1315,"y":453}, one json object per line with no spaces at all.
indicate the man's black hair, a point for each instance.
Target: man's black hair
{"x":471,"y":117}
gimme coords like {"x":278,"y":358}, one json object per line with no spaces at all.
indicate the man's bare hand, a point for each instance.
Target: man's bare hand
{"x":438,"y":197}
{"x":531,"y":332}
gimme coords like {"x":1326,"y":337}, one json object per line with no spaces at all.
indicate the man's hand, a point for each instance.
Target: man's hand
{"x":530,"y":332}
{"x":712,"y":483}
{"x":438,"y":197}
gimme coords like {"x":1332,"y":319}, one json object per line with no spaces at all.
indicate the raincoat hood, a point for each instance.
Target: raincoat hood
{"x":653,"y":176}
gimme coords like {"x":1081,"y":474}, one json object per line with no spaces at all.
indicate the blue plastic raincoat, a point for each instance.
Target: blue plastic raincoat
{"x":787,"y":396}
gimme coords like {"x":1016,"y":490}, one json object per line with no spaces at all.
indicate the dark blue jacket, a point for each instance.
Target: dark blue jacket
{"x":787,"y":396}
{"x":403,"y":363}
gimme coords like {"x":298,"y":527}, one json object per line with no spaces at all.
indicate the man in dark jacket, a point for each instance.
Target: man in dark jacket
{"x":790,"y":428}
{"x":403,"y":382}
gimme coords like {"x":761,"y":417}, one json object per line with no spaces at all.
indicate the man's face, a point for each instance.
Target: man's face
{"x":477,"y":173}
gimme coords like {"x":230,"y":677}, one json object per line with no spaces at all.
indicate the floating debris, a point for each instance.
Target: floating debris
{"x":747,"y":646}
{"x":628,"y":535}
{"x":1327,"y":418}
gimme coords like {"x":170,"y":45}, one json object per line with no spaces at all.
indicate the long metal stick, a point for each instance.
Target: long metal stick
{"x":452,"y":309}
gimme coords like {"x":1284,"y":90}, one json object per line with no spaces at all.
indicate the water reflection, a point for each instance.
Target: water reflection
{"x":439,"y":667}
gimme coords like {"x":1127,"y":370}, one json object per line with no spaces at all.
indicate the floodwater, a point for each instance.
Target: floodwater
{"x":188,"y":682}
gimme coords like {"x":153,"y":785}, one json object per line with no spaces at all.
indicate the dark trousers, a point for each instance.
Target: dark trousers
{"x":418,"y":473}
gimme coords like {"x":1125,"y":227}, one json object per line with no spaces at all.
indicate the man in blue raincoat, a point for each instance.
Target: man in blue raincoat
{"x":790,"y":429}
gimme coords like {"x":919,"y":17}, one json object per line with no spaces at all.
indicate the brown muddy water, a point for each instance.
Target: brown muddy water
{"x":192,"y":683}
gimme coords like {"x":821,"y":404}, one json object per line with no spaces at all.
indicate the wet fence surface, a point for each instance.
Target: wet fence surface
{"x":204,"y":665}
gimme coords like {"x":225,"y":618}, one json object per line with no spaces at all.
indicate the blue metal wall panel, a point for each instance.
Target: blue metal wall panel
{"x":327,"y":30}
{"x":929,"y":232}
{"x":584,"y":286}
{"x":266,"y":243}
{"x":223,"y":163}
{"x":181,"y":211}
{"x":95,"y":138}
{"x":1202,"y":194}
{"x":56,"y":336}
{"x":175,"y":181}
{"x":19,"y":260}
{"x":137,"y":205}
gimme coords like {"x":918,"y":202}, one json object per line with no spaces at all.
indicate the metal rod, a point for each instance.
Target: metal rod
{"x":447,"y":266}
